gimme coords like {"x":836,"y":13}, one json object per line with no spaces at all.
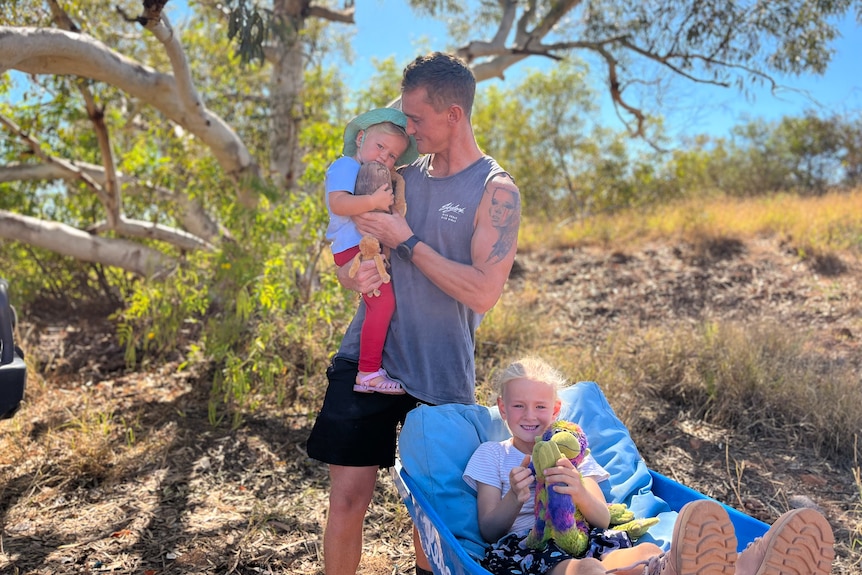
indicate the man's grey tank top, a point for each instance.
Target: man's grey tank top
{"x":430,"y":346}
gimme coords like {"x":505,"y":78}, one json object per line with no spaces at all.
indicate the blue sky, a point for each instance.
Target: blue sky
{"x":382,"y":30}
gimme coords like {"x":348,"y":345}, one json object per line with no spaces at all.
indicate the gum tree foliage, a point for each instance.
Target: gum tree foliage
{"x":544,"y":129}
{"x":807,"y":155}
{"x":138,"y":139}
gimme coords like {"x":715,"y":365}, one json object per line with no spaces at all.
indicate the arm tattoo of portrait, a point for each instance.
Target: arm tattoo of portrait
{"x":505,"y":217}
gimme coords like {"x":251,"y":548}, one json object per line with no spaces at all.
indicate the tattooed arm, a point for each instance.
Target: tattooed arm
{"x":495,"y":240}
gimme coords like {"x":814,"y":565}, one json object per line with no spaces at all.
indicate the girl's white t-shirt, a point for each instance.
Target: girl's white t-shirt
{"x":491,"y":463}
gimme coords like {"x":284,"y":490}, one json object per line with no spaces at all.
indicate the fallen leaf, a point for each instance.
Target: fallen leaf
{"x":809,"y":479}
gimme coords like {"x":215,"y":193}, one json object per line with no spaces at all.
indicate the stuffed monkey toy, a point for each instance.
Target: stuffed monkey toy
{"x":371,"y":176}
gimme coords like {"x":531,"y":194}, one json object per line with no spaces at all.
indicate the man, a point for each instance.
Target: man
{"x":451,"y":258}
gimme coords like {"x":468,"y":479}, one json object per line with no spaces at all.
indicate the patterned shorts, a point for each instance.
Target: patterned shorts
{"x":511,"y":554}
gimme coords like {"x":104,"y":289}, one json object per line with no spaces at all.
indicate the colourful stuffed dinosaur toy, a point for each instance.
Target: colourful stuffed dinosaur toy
{"x":557,"y":517}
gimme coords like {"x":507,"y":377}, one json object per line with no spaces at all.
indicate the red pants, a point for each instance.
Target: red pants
{"x":378,"y":313}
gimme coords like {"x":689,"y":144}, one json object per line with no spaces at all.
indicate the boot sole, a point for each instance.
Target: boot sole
{"x":704,"y":541}
{"x":802,"y":545}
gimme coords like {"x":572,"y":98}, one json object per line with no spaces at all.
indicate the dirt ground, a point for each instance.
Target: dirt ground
{"x":155,"y":489}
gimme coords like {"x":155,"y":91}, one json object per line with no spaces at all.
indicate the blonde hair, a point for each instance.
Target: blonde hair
{"x":533,"y":369}
{"x":390,"y":129}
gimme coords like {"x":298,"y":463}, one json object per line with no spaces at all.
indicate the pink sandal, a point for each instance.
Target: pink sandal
{"x":386,"y":385}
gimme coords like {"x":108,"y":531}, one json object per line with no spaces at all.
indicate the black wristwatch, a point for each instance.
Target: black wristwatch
{"x":405,"y":248}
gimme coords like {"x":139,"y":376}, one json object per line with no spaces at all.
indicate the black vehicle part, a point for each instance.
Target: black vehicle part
{"x":13,"y":370}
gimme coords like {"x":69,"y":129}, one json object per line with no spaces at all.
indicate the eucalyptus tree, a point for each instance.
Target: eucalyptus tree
{"x":152,"y":133}
{"x":156,"y":134}
{"x":807,"y":154}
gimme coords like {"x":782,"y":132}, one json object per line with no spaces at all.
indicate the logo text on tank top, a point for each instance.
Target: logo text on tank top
{"x":449,"y":212}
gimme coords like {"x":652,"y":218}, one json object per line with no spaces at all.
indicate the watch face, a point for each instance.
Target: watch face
{"x":404,"y":252}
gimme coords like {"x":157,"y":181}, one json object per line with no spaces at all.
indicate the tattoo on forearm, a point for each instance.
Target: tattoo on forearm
{"x":505,"y":214}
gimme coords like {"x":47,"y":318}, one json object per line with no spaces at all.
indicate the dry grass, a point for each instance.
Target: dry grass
{"x":761,"y":379}
{"x":121,"y":472}
{"x":814,"y":224}
{"x":856,"y":528}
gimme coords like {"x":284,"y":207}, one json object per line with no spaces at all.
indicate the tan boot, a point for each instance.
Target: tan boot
{"x":800,"y":542}
{"x":703,"y":543}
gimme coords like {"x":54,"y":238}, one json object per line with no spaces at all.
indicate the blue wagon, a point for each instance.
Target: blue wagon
{"x":436,"y":442}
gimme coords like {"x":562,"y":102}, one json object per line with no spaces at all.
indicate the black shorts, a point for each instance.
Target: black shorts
{"x":356,"y":429}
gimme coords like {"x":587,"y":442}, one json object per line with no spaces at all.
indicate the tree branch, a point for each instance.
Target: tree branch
{"x":670,"y":45}
{"x":57,"y":52}
{"x":113,"y":202}
{"x":34,"y":172}
{"x":34,"y":146}
{"x":141,"y":229}
{"x":188,"y":94}
{"x":115,"y":221}
{"x":666,"y":61}
{"x":113,"y":205}
{"x":527,"y":41}
{"x":617,"y":93}
{"x":191,"y":213}
{"x":345,"y":16}
{"x":479,"y":49}
{"x":69,"y":241}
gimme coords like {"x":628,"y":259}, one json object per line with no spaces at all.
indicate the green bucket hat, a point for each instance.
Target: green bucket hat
{"x":379,"y":115}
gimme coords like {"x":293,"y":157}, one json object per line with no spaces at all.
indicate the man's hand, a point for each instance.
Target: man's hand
{"x":366,"y":280}
{"x":389,"y":229}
